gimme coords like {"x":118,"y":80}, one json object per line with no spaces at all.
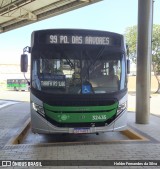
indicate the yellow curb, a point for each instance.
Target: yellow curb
{"x":129,"y":133}
{"x":132,"y":135}
{"x":130,"y":109}
{"x":19,"y":137}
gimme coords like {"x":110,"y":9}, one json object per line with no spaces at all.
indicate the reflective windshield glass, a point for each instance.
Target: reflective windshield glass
{"x":79,"y":74}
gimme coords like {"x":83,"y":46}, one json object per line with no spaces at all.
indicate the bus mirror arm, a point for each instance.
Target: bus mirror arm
{"x":127,"y":47}
{"x":24,"y":62}
{"x":128,"y":61}
{"x":27,"y":49}
{"x":28,"y":82}
{"x":24,"y":59}
{"x":128,"y":66}
{"x":24,"y":66}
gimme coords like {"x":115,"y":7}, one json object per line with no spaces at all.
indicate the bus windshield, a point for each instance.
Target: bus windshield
{"x":78,"y":71}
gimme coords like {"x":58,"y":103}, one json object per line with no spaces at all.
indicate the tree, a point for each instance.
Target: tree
{"x":156,"y":54}
{"x":131,"y":39}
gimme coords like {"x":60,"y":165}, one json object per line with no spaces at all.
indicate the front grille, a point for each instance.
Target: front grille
{"x":81,"y":116}
{"x":74,"y":125}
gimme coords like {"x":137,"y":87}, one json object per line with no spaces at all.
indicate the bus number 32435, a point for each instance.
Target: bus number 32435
{"x":99,"y":117}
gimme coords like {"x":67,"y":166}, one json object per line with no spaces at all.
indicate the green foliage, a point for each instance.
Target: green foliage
{"x":131,"y":40}
{"x":156,"y":48}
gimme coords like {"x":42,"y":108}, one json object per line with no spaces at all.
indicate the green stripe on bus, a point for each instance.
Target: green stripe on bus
{"x":16,"y":85}
{"x":80,"y":108}
{"x":95,"y":114}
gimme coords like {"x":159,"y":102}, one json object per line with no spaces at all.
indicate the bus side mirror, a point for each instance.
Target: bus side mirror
{"x":127,"y":47}
{"x":128,"y":66}
{"x":24,"y":63}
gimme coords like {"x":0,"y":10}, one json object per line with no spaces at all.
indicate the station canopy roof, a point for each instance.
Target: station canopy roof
{"x":18,"y":13}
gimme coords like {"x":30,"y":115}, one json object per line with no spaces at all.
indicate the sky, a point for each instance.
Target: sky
{"x":107,"y":15}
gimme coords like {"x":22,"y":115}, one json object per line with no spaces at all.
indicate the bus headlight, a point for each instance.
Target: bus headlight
{"x":121,"y":107}
{"x":38,"y":109}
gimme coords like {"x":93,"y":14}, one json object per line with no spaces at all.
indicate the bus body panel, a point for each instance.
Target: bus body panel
{"x":41,"y":125}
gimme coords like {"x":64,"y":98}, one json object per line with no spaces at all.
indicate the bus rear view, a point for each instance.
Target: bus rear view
{"x":78,"y":81}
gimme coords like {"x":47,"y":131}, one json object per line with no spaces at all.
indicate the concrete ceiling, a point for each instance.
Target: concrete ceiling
{"x":18,"y":13}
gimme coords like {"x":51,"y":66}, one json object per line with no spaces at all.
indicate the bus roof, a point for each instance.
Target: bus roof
{"x":76,"y":37}
{"x":69,"y":30}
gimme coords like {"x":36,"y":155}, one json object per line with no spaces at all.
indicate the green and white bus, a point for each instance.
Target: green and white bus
{"x":17,"y":84}
{"x":78,"y":81}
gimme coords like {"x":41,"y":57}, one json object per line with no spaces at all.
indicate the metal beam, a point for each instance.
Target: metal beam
{"x":29,"y":16}
{"x":13,"y":6}
{"x":144,"y":53}
{"x":46,"y":12}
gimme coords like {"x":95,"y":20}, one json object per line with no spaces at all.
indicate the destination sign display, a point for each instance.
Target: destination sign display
{"x":57,"y":81}
{"x":75,"y":39}
{"x":53,"y":83}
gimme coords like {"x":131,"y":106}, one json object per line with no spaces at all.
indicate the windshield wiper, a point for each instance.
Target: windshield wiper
{"x":69,"y":61}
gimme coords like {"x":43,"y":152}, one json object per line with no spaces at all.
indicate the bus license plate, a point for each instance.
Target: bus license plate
{"x":81,"y":130}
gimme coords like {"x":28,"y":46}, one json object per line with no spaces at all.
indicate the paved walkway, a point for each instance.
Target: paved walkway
{"x":13,"y":117}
